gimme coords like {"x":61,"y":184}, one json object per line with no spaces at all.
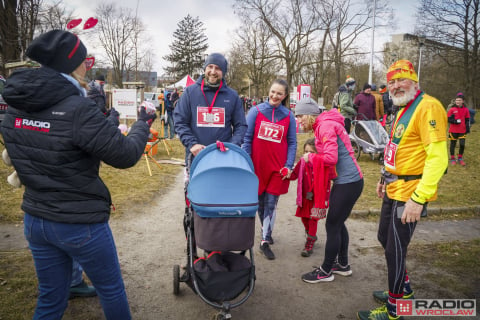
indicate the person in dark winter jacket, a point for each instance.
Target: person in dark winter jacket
{"x":97,"y":93}
{"x":56,"y":138}
{"x":365,"y":103}
{"x":209,"y":110}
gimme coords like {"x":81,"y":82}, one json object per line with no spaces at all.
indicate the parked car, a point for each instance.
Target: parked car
{"x":153,"y":97}
{"x":3,"y":104}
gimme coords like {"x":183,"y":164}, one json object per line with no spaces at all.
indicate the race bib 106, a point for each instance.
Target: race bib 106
{"x":271,"y":131}
{"x":216,"y":118}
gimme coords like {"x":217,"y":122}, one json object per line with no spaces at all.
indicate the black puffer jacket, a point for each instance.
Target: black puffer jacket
{"x":56,"y":140}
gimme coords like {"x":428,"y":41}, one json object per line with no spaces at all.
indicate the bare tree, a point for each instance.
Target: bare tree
{"x":255,"y":46}
{"x":118,"y":29}
{"x":293,"y":24}
{"x":17,"y":26}
{"x":455,"y":27}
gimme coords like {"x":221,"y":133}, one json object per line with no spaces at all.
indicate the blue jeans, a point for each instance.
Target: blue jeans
{"x":77,"y":274}
{"x":169,"y":123}
{"x":54,"y":245}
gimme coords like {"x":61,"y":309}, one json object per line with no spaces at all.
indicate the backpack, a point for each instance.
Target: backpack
{"x":336,"y":102}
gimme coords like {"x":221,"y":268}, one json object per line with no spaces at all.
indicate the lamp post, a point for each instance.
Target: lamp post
{"x":421,"y":44}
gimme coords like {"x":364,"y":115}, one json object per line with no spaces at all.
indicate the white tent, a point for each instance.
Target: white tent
{"x":185,"y":82}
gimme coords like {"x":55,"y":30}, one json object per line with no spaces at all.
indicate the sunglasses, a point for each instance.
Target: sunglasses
{"x":89,"y":62}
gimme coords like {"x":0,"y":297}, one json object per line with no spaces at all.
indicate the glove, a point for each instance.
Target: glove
{"x":113,"y":115}
{"x":148,"y":118}
{"x":467,"y":126}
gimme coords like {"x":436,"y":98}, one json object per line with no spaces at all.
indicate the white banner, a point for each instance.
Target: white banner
{"x":125,"y":102}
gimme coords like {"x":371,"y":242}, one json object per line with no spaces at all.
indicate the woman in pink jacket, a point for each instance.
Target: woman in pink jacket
{"x":334,"y":149}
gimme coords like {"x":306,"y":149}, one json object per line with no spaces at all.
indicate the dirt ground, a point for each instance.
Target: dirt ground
{"x":151,"y":240}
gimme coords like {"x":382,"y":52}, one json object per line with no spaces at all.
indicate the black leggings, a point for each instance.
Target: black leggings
{"x":394,"y":237}
{"x":342,"y":200}
{"x":453,"y":143}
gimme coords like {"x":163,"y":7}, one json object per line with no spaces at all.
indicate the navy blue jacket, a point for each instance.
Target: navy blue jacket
{"x":185,"y":116}
{"x":56,"y":139}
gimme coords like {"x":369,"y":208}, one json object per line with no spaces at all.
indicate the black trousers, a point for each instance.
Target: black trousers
{"x":395,"y":238}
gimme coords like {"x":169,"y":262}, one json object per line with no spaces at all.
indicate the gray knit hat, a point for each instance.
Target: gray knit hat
{"x":307,"y":106}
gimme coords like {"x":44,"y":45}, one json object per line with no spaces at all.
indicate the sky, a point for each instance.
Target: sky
{"x":161,"y":18}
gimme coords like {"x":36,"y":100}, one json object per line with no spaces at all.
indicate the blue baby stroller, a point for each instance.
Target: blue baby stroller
{"x":221,"y":204}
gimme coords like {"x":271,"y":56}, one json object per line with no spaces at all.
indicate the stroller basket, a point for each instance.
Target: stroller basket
{"x":224,"y":276}
{"x":223,"y":193}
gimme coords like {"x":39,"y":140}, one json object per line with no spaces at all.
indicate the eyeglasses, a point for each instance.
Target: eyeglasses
{"x":89,"y":62}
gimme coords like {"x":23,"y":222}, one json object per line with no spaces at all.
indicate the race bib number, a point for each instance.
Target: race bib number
{"x":389,"y":155}
{"x":271,"y":132}
{"x":216,"y":118}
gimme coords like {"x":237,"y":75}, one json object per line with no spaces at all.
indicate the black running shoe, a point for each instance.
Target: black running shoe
{"x":267,"y":252}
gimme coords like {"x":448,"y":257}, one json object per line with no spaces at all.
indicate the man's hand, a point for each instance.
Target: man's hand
{"x":380,"y":189}
{"x":196,"y":149}
{"x":412,"y":212}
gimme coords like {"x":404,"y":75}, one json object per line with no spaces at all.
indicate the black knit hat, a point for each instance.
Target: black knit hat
{"x":218,"y":60}
{"x":366,"y":86}
{"x":57,"y":49}
{"x":100,"y":77}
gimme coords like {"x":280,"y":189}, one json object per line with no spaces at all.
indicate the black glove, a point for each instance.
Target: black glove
{"x":148,"y":118}
{"x":452,"y":120}
{"x":467,"y":125}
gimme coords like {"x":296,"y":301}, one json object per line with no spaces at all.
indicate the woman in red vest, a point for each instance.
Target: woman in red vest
{"x":271,"y":142}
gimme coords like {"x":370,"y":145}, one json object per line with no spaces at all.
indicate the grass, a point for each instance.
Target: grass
{"x":458,"y":257}
{"x":134,"y":186}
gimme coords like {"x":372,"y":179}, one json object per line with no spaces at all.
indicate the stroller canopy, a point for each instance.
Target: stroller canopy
{"x":223,"y":184}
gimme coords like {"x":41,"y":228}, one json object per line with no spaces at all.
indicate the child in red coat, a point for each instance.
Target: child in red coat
{"x":303,"y":171}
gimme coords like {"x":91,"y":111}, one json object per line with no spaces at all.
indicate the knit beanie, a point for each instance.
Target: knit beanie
{"x":218,"y":60}
{"x":100,"y":77}
{"x":383,"y":88}
{"x":366,"y":86}
{"x":307,"y":106}
{"x":402,"y":69}
{"x":57,"y":49}
{"x":460,"y":95}
{"x":349,"y":81}
{"x":374,"y":87}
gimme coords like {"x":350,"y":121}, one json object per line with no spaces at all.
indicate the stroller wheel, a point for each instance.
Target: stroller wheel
{"x":356,"y":148}
{"x":176,"y":279}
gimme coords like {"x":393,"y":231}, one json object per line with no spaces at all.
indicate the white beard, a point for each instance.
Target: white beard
{"x":406,"y":98}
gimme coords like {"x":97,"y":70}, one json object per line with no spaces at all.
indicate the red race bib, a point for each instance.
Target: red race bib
{"x":216,"y":118}
{"x":389,"y":155}
{"x":271,"y":132}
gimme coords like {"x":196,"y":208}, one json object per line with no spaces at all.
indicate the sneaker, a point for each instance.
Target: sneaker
{"x":379,"y":313}
{"x":343,"y":271}
{"x":318,"y":275}
{"x":382,"y":296}
{"x":267,"y":252}
{"x":461,"y":162}
{"x":82,"y":290}
{"x":453,"y":162}
{"x":270,"y":240}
